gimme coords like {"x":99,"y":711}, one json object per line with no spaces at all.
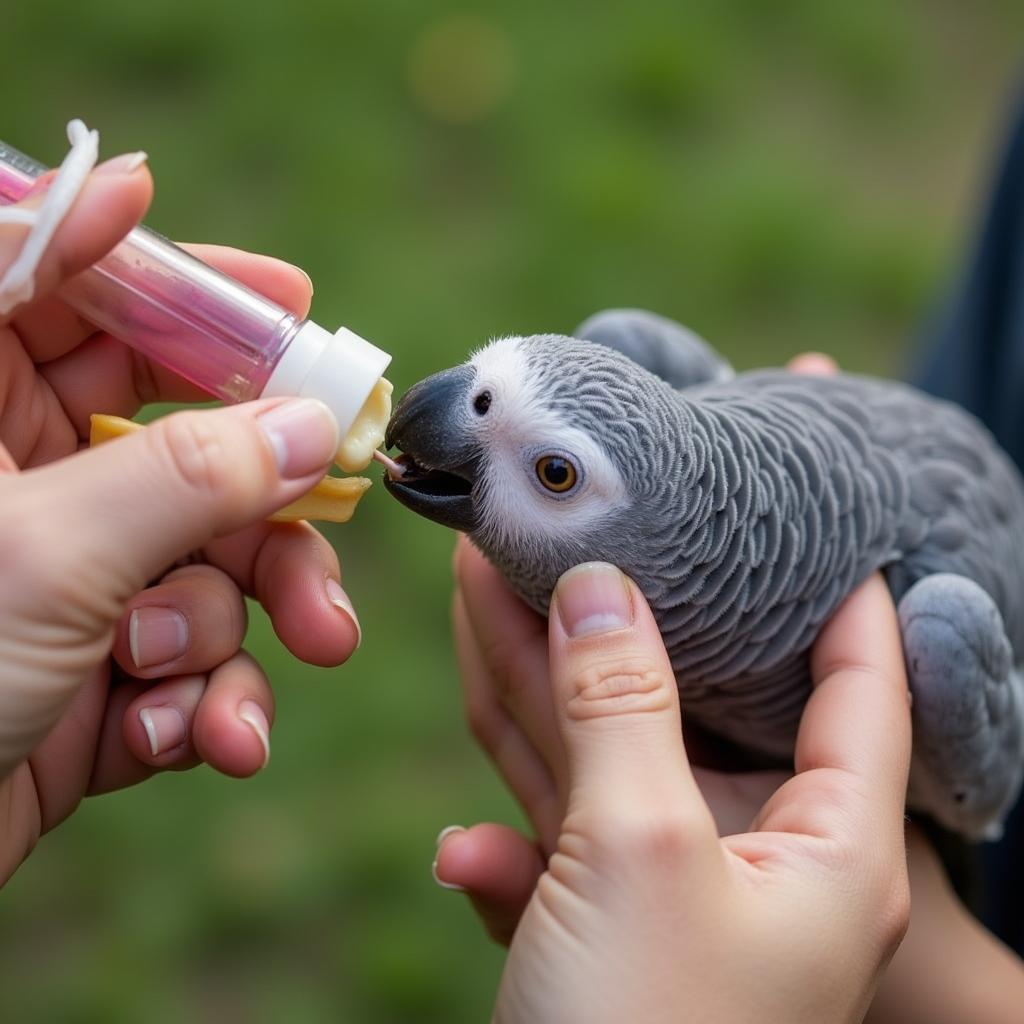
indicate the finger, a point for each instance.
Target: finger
{"x":114,"y":766}
{"x":618,"y":707}
{"x":232,"y":725}
{"x":813,"y":364}
{"x":90,"y":370}
{"x":103,"y":374}
{"x":281,"y":282}
{"x":127,"y":509}
{"x":157,"y":726}
{"x":853,"y":748}
{"x":111,"y":203}
{"x":191,"y":621}
{"x":222,"y":719}
{"x":521,"y":767}
{"x":858,"y":717}
{"x":496,"y":867}
{"x":512,"y":640}
{"x":293,"y":572}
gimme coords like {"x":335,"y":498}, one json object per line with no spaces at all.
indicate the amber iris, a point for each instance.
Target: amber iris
{"x":556,"y":474}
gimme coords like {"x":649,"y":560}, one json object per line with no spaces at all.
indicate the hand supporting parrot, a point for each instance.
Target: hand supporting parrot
{"x":746,"y":508}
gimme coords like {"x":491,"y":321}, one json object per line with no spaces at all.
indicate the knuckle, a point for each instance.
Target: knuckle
{"x":880,"y":880}
{"x":660,"y":839}
{"x":509,"y":678}
{"x":220,"y":593}
{"x":198,"y":454}
{"x":213,"y":600}
{"x":480,"y":720}
{"x":619,"y":686}
{"x":514,"y":665}
{"x":654,"y":842}
{"x":894,"y":914}
{"x":231,"y":610}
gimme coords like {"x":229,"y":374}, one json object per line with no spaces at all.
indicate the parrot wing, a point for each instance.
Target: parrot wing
{"x":670,"y":351}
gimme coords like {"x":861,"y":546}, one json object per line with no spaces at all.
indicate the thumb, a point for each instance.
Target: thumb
{"x":81,"y":535}
{"x":125,"y":511}
{"x":618,"y":707}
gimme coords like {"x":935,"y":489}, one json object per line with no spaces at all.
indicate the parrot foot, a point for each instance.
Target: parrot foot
{"x":968,"y":706}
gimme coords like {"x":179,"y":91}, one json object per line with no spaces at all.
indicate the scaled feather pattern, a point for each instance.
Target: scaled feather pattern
{"x":747,"y":508}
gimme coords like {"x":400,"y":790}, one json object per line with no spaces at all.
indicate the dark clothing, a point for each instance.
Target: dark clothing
{"x":974,"y":355}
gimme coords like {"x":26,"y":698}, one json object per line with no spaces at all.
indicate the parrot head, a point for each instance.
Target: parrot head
{"x":547,"y":451}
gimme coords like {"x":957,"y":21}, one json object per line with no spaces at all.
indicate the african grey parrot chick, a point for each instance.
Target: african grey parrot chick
{"x":746,"y":510}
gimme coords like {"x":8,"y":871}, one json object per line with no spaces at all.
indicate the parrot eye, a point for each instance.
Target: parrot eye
{"x":556,"y":474}
{"x":482,"y":403}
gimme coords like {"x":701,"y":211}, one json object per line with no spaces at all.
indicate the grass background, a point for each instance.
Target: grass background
{"x":780,"y":176}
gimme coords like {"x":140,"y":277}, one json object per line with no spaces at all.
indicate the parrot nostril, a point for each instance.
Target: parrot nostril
{"x":482,"y":403}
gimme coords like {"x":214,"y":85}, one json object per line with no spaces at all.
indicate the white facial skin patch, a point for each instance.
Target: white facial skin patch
{"x":519,"y":430}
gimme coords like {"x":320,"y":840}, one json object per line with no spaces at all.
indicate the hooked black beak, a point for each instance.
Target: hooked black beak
{"x":431,"y":427}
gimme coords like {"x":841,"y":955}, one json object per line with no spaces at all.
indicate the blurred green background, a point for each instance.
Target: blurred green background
{"x":780,"y":176}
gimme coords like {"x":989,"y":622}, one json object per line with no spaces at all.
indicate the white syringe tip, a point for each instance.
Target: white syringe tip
{"x":339,"y":369}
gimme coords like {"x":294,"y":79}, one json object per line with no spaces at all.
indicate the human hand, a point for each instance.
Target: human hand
{"x":508,"y":708}
{"x":641,"y":910}
{"x":116,"y":664}
{"x":949,"y":968}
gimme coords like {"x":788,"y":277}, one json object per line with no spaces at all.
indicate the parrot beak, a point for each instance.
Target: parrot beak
{"x":439,"y":461}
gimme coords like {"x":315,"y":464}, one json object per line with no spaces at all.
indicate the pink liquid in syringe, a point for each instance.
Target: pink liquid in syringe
{"x":13,"y":184}
{"x":166,"y":304}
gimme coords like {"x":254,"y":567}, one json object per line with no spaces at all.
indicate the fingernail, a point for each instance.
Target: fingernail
{"x":252,"y":714}
{"x":126,"y":163}
{"x":446,"y":832}
{"x":303,"y":434}
{"x":441,"y":837}
{"x":165,"y":728}
{"x":156,"y":635}
{"x":593,"y":598}
{"x":814,"y":364}
{"x":309,"y":280}
{"x":340,"y":600}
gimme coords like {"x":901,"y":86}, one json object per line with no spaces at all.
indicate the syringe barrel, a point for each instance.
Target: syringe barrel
{"x":170,"y":306}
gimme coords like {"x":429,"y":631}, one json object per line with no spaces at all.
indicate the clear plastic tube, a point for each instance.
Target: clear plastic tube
{"x":205,"y":326}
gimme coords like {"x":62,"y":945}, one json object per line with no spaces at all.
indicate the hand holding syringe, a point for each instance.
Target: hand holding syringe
{"x":203,"y":325}
{"x":125,"y":568}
